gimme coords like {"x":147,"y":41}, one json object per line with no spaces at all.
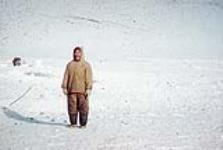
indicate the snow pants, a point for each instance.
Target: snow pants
{"x":78,"y":106}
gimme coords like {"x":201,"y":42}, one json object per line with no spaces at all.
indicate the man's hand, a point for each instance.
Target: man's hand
{"x":65,"y":92}
{"x":88,"y":93}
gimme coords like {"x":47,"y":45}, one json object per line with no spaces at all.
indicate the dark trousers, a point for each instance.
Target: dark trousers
{"x":78,"y":107}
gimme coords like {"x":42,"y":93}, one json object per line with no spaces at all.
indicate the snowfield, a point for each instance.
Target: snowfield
{"x":158,"y":74}
{"x":152,"y":104}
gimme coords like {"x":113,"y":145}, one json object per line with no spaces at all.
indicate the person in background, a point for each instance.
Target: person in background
{"x":17,"y":61}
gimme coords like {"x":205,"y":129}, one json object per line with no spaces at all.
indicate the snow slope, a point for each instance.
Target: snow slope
{"x":145,"y":28}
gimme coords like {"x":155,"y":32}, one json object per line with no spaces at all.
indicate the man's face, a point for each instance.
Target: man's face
{"x":77,"y":55}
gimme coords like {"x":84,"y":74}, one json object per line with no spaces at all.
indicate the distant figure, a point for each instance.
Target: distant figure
{"x":77,"y":85}
{"x":16,"y":61}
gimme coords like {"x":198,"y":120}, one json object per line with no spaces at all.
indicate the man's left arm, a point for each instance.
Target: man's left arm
{"x":89,"y":79}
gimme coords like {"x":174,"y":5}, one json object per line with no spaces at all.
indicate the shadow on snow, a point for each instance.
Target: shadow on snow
{"x":15,"y":115}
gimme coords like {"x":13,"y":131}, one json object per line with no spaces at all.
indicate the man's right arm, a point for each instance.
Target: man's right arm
{"x":65,"y":81}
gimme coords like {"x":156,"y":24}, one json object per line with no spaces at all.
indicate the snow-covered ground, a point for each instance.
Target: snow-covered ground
{"x":158,"y":74}
{"x":145,"y":28}
{"x":152,"y":104}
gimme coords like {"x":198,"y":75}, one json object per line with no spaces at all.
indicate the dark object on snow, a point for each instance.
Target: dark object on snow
{"x":16,"y":61}
{"x":31,"y":118}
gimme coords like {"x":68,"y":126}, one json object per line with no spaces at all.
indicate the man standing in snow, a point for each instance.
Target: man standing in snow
{"x":77,"y":85}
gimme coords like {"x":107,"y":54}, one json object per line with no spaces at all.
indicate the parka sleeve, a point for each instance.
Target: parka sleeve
{"x":89,"y":77}
{"x":65,"y":78}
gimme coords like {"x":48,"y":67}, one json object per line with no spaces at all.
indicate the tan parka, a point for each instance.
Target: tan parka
{"x":78,"y":76}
